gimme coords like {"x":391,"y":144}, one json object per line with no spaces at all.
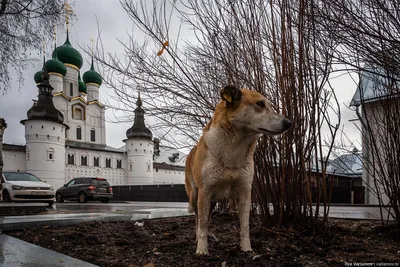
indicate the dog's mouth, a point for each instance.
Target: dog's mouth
{"x":269,"y":132}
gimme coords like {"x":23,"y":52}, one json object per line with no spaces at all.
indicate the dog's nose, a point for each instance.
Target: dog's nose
{"x":286,"y":124}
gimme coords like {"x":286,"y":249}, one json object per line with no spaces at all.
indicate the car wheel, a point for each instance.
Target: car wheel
{"x":82,"y":197}
{"x":59,"y":198}
{"x":6,"y":196}
{"x":105,"y":200}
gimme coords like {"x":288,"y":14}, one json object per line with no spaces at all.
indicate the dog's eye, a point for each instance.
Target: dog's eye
{"x":261,"y":104}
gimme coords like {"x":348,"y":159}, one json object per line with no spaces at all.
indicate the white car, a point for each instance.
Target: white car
{"x":26,"y":187}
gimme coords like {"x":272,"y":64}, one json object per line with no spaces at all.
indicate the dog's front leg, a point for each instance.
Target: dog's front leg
{"x":203,"y":210}
{"x":244,"y":214}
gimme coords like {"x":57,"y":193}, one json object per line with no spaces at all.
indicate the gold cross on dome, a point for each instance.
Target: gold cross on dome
{"x":68,"y":12}
{"x":92,"y":47}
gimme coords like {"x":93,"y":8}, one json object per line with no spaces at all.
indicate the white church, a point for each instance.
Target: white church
{"x":65,"y":133}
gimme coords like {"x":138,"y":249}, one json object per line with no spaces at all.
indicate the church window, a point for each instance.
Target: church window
{"x":96,"y":162}
{"x":78,"y":114}
{"x":148,"y":167}
{"x":42,"y":126}
{"x":50,"y":154}
{"x":71,"y":159}
{"x":79,"y":133}
{"x":54,"y":128}
{"x":119,"y":164}
{"x":28,"y":155}
{"x":93,"y":135}
{"x":84,"y":160}
{"x":71,"y":89}
{"x":108,"y":163}
{"x":130,"y":167}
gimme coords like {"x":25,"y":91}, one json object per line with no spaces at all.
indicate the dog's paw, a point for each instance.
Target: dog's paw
{"x":202,"y":251}
{"x":246,"y":247}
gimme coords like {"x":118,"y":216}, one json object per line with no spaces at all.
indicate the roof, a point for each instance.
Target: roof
{"x":97,"y":147}
{"x":374,"y":84}
{"x":12,"y":147}
{"x":349,"y":165}
{"x":170,"y":156}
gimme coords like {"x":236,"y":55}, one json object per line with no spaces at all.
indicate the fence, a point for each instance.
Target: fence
{"x":177,"y":193}
{"x":150,"y":193}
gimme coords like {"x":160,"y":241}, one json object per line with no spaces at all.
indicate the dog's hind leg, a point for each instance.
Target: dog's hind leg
{"x":203,"y":216}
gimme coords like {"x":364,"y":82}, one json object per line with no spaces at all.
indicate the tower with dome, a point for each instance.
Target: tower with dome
{"x":65,"y":132}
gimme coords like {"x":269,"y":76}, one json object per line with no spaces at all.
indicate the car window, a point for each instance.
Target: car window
{"x":79,"y":181}
{"x":71,"y":183}
{"x":21,"y":176}
{"x":103,"y":183}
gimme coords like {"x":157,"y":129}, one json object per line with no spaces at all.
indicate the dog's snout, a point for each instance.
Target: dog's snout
{"x":286,"y":124}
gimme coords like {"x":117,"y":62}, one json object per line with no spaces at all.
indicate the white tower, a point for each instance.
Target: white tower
{"x":139,"y":149}
{"x":44,"y":134}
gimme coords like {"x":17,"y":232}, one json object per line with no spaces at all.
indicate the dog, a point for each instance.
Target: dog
{"x":221,"y":165}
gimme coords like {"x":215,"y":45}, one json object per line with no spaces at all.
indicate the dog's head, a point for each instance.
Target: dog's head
{"x":251,"y":111}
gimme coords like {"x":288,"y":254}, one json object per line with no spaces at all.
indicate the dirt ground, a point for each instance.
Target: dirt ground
{"x":171,"y":242}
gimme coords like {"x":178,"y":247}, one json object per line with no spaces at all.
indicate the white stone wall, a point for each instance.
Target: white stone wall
{"x":92,"y":92}
{"x":45,"y":151}
{"x":57,"y":82}
{"x":115,"y":176}
{"x":139,"y":164}
{"x":71,"y":77}
{"x":14,"y":161}
{"x":162,"y":176}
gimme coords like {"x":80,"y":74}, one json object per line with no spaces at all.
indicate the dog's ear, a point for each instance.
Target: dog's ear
{"x":231,"y":94}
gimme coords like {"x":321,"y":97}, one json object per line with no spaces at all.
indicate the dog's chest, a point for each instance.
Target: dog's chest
{"x":226,"y":164}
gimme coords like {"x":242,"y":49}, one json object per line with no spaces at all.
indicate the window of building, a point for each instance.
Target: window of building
{"x":79,"y":133}
{"x":96,"y":161}
{"x":66,"y":133}
{"x":84,"y":160}
{"x":71,"y":159}
{"x":108,"y":163}
{"x":71,"y":89}
{"x":148,"y":167}
{"x":50,"y":154}
{"x":28,"y":155}
{"x":93,"y":135}
{"x":156,"y":169}
{"x":130,"y":167}
{"x":119,"y":164}
{"x":78,"y":114}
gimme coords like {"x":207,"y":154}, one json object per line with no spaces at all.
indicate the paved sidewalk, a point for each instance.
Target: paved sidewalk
{"x":15,"y":252}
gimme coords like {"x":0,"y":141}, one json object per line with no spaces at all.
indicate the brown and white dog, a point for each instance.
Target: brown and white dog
{"x":221,"y":165}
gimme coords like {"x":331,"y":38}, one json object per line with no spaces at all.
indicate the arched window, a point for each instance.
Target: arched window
{"x":50,"y":153}
{"x":93,"y":135}
{"x":71,"y":89}
{"x":79,"y":133}
{"x":78,"y":114}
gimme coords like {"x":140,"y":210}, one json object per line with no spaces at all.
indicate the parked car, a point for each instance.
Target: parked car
{"x":84,"y":189}
{"x":26,"y":187}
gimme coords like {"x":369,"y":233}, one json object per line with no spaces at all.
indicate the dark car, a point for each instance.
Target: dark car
{"x":84,"y":189}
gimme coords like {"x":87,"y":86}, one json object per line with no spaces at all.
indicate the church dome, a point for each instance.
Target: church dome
{"x":138,"y":128}
{"x":68,"y":55}
{"x":55,"y":65}
{"x":82,"y":85}
{"x":44,"y":109}
{"x":38,"y":75}
{"x":91,"y":76}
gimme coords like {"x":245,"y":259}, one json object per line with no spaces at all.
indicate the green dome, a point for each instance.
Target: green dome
{"x":69,"y":55}
{"x":91,"y":76}
{"x":55,"y":65}
{"x":38,"y":75}
{"x":82,"y":85}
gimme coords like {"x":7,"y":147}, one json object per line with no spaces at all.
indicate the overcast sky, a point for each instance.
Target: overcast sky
{"x":114,"y":24}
